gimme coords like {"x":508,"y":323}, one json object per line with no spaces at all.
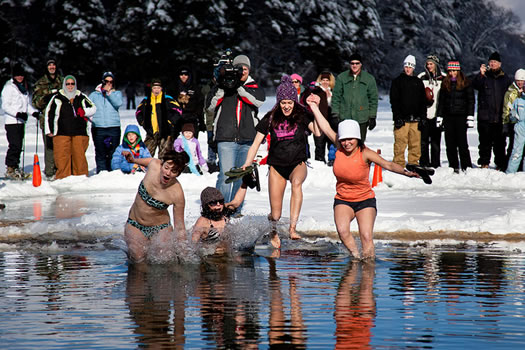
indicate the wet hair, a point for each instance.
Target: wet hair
{"x":179,"y":159}
{"x":216,"y":215}
{"x":278,"y":117}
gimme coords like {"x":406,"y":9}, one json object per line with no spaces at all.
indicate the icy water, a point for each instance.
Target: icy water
{"x":426,"y":295}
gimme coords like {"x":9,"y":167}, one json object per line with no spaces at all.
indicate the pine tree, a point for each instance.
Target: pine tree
{"x":440,"y":30}
{"x":78,"y":38}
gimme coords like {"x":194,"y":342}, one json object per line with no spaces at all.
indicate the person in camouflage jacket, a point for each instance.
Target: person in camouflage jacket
{"x":45,"y":88}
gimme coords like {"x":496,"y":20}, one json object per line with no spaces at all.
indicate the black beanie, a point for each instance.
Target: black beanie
{"x":211,"y":194}
{"x":18,"y":70}
{"x":355,"y":57}
{"x":495,"y":56}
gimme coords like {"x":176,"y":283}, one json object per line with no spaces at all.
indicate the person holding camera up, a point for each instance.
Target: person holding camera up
{"x":17,"y":106}
{"x":235,"y":102}
{"x":491,"y":83}
{"x":106,"y":121}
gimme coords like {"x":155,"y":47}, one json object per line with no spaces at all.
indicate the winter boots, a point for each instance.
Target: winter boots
{"x":13,"y":173}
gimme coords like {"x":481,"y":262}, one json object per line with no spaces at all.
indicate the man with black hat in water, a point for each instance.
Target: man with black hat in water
{"x":491,"y":83}
{"x":44,"y":88}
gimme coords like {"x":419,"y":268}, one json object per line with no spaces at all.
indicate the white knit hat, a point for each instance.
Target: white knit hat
{"x":410,"y":61}
{"x":348,"y":129}
{"x":520,"y":74}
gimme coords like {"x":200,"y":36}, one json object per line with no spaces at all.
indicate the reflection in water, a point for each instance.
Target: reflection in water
{"x":229,"y":304}
{"x":279,"y":334}
{"x":66,"y":208}
{"x":156,"y":302}
{"x":450,"y":296}
{"x":355,"y":307}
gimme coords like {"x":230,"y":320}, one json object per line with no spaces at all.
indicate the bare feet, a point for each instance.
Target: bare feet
{"x":293,"y":233}
{"x":275,"y":240}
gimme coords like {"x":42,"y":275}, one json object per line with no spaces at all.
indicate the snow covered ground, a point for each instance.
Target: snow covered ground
{"x":477,"y":202}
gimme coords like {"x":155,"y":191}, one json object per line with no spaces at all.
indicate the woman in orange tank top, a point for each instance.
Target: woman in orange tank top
{"x":354,"y":198}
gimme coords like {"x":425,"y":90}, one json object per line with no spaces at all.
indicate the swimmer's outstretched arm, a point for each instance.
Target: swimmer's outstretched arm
{"x":373,"y":157}
{"x":140,"y":161}
{"x":239,"y":197}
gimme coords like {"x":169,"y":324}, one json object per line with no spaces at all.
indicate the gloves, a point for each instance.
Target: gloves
{"x":439,"y":122}
{"x":470,"y":121}
{"x":22,"y":116}
{"x":399,"y":123}
{"x":371,"y":123}
{"x":505,"y":131}
{"x":81,"y":113}
{"x":36,"y":115}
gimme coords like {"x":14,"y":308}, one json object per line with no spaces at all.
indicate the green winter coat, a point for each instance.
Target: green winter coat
{"x":511,"y":94}
{"x":355,"y":98}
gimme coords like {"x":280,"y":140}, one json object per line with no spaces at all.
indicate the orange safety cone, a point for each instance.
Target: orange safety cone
{"x":378,"y":173}
{"x":37,"y":175}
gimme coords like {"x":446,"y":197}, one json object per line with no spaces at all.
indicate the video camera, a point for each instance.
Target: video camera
{"x":227,"y":76}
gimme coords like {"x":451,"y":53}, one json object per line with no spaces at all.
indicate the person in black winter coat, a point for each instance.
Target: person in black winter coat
{"x":409,"y":107}
{"x":158,"y":114}
{"x":456,"y":112}
{"x":491,"y":83}
{"x":189,"y":97}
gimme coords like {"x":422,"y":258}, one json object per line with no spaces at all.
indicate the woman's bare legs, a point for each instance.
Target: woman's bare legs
{"x":343,"y":216}
{"x":276,"y":187}
{"x":297,"y":178}
{"x":365,"y":220}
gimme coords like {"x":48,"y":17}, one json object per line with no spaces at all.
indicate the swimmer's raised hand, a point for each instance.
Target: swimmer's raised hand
{"x":129,"y":157}
{"x":313,"y":99}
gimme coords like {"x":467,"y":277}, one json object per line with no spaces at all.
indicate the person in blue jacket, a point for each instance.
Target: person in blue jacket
{"x":131,"y":142}
{"x":106,"y":121}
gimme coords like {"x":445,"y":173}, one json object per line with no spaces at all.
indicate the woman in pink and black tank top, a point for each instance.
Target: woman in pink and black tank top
{"x":288,"y":125}
{"x":354,"y":197}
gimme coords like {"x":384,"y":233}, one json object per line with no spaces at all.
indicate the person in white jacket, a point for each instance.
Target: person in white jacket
{"x":430,"y":126}
{"x":16,"y":105}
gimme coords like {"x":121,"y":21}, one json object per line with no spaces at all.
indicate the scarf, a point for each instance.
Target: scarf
{"x":154,"y":118}
{"x":135,"y":150}
{"x":21,"y":86}
{"x":191,"y":163}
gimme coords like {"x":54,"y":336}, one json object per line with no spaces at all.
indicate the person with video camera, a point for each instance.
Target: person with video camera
{"x":235,"y":102}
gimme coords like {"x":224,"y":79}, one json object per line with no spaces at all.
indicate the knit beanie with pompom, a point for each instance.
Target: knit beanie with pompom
{"x":286,"y":90}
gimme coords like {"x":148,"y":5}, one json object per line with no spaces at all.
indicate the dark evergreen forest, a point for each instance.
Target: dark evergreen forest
{"x":141,"y":39}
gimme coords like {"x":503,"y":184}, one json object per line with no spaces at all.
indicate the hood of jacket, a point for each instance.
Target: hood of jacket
{"x":131,"y":129}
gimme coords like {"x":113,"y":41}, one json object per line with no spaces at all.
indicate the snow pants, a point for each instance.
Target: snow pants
{"x":407,"y":135}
